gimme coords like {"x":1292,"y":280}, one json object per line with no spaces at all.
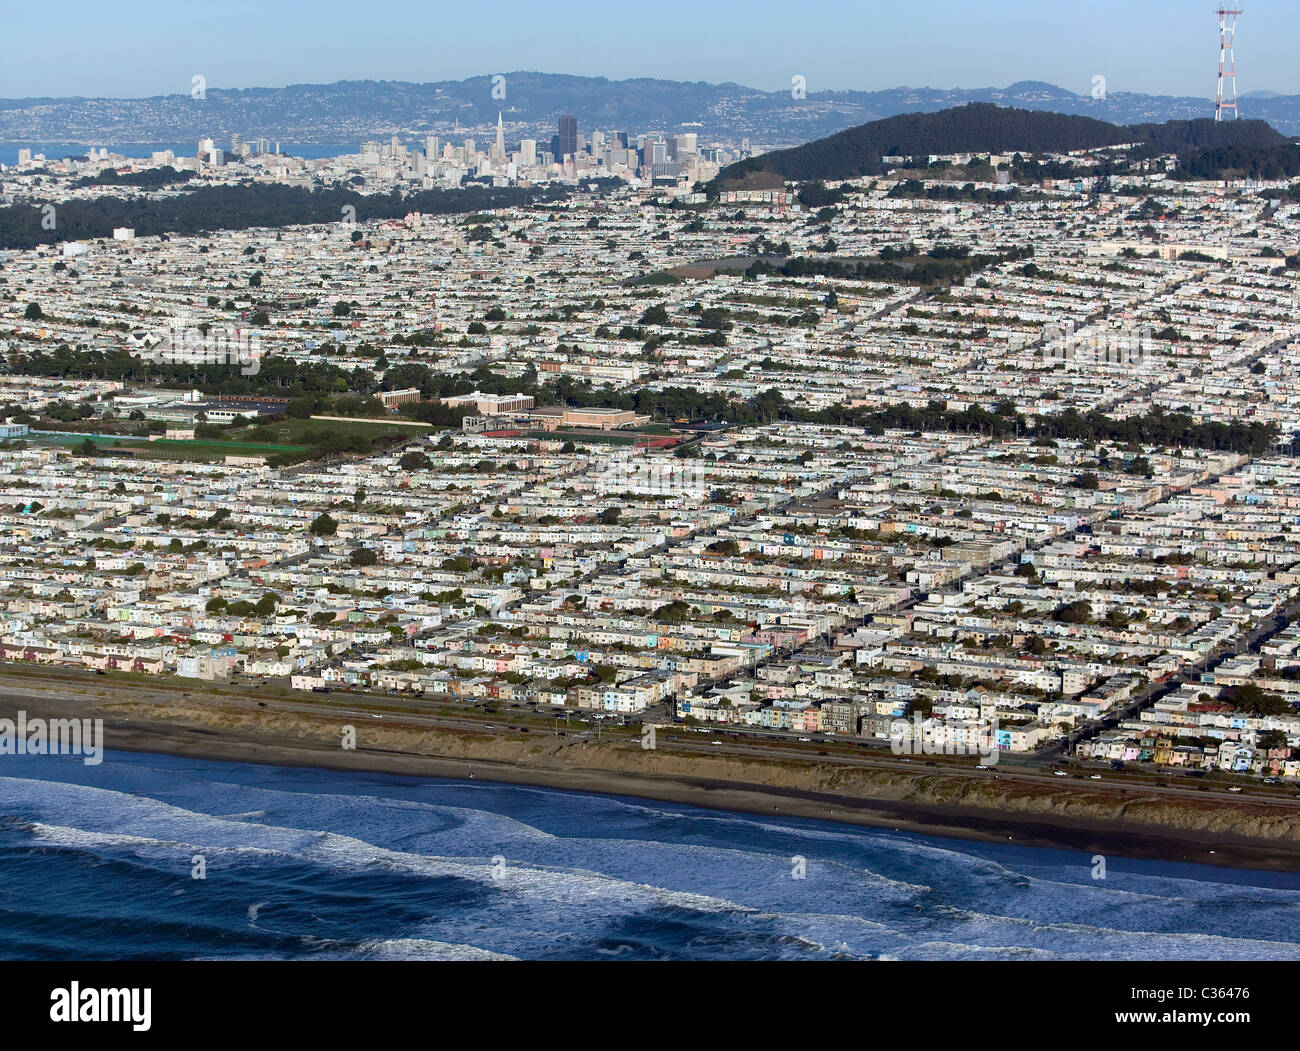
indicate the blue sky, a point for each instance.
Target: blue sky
{"x":132,"y":48}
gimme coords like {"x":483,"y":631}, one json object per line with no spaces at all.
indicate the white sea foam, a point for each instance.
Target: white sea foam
{"x":666,"y":882}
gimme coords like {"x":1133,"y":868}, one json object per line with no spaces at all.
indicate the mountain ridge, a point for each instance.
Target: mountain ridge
{"x":351,"y":110}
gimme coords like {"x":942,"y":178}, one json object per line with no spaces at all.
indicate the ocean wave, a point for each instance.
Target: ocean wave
{"x":308,"y":863}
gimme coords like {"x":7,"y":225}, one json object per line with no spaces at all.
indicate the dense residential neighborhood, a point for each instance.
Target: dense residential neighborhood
{"x":638,"y":449}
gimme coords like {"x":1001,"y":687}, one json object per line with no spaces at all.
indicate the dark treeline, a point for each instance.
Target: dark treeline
{"x":163,"y":176}
{"x":978,"y":127}
{"x":315,"y":388}
{"x":984,"y":128}
{"x":915,"y":188}
{"x":815,"y":195}
{"x":939,"y":267}
{"x":1180,"y":136}
{"x":1156,"y":428}
{"x":243,"y":206}
{"x":278,"y":377}
{"x":1248,"y":162}
{"x":1160,"y":428}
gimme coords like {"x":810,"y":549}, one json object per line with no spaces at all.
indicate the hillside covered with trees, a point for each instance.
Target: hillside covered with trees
{"x":986,"y":128}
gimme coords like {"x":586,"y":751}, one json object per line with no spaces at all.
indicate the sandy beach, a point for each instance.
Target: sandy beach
{"x":1222,"y":832}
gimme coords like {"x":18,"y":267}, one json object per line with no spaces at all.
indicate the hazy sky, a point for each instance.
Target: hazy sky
{"x":132,"y":48}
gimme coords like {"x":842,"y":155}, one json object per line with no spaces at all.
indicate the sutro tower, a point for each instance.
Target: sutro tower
{"x":1227,"y":60}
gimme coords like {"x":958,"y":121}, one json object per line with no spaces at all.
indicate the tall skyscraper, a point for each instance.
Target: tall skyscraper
{"x":568,"y":137}
{"x":499,"y":147}
{"x":528,"y":152}
{"x":431,"y":148}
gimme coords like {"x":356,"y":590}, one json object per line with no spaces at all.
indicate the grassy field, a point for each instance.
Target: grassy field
{"x":295,"y":430}
{"x":204,"y":451}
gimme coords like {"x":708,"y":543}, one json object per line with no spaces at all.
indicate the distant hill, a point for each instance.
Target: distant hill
{"x":350,"y":111}
{"x":986,"y":128}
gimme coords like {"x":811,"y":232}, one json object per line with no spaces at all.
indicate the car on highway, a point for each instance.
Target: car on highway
{"x":1059,"y":773}
{"x":1094,"y":777}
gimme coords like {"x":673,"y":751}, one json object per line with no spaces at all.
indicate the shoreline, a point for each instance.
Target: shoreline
{"x":972,"y":824}
{"x":1018,"y":806}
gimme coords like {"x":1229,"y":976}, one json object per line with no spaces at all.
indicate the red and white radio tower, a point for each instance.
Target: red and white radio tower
{"x":1227,"y":60}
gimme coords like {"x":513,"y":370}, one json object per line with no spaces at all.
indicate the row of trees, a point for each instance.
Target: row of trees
{"x":937,"y":267}
{"x":245,"y":205}
{"x":322,"y":387}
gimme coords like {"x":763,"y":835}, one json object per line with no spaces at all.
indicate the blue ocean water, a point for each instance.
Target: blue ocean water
{"x":97,"y":862}
{"x":59,"y":150}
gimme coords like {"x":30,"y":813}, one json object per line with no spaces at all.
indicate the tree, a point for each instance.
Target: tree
{"x":324,"y":525}
{"x":363,"y":556}
{"x":33,"y":312}
{"x":414,"y":461}
{"x":1249,"y":698}
{"x":1077,"y":612}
